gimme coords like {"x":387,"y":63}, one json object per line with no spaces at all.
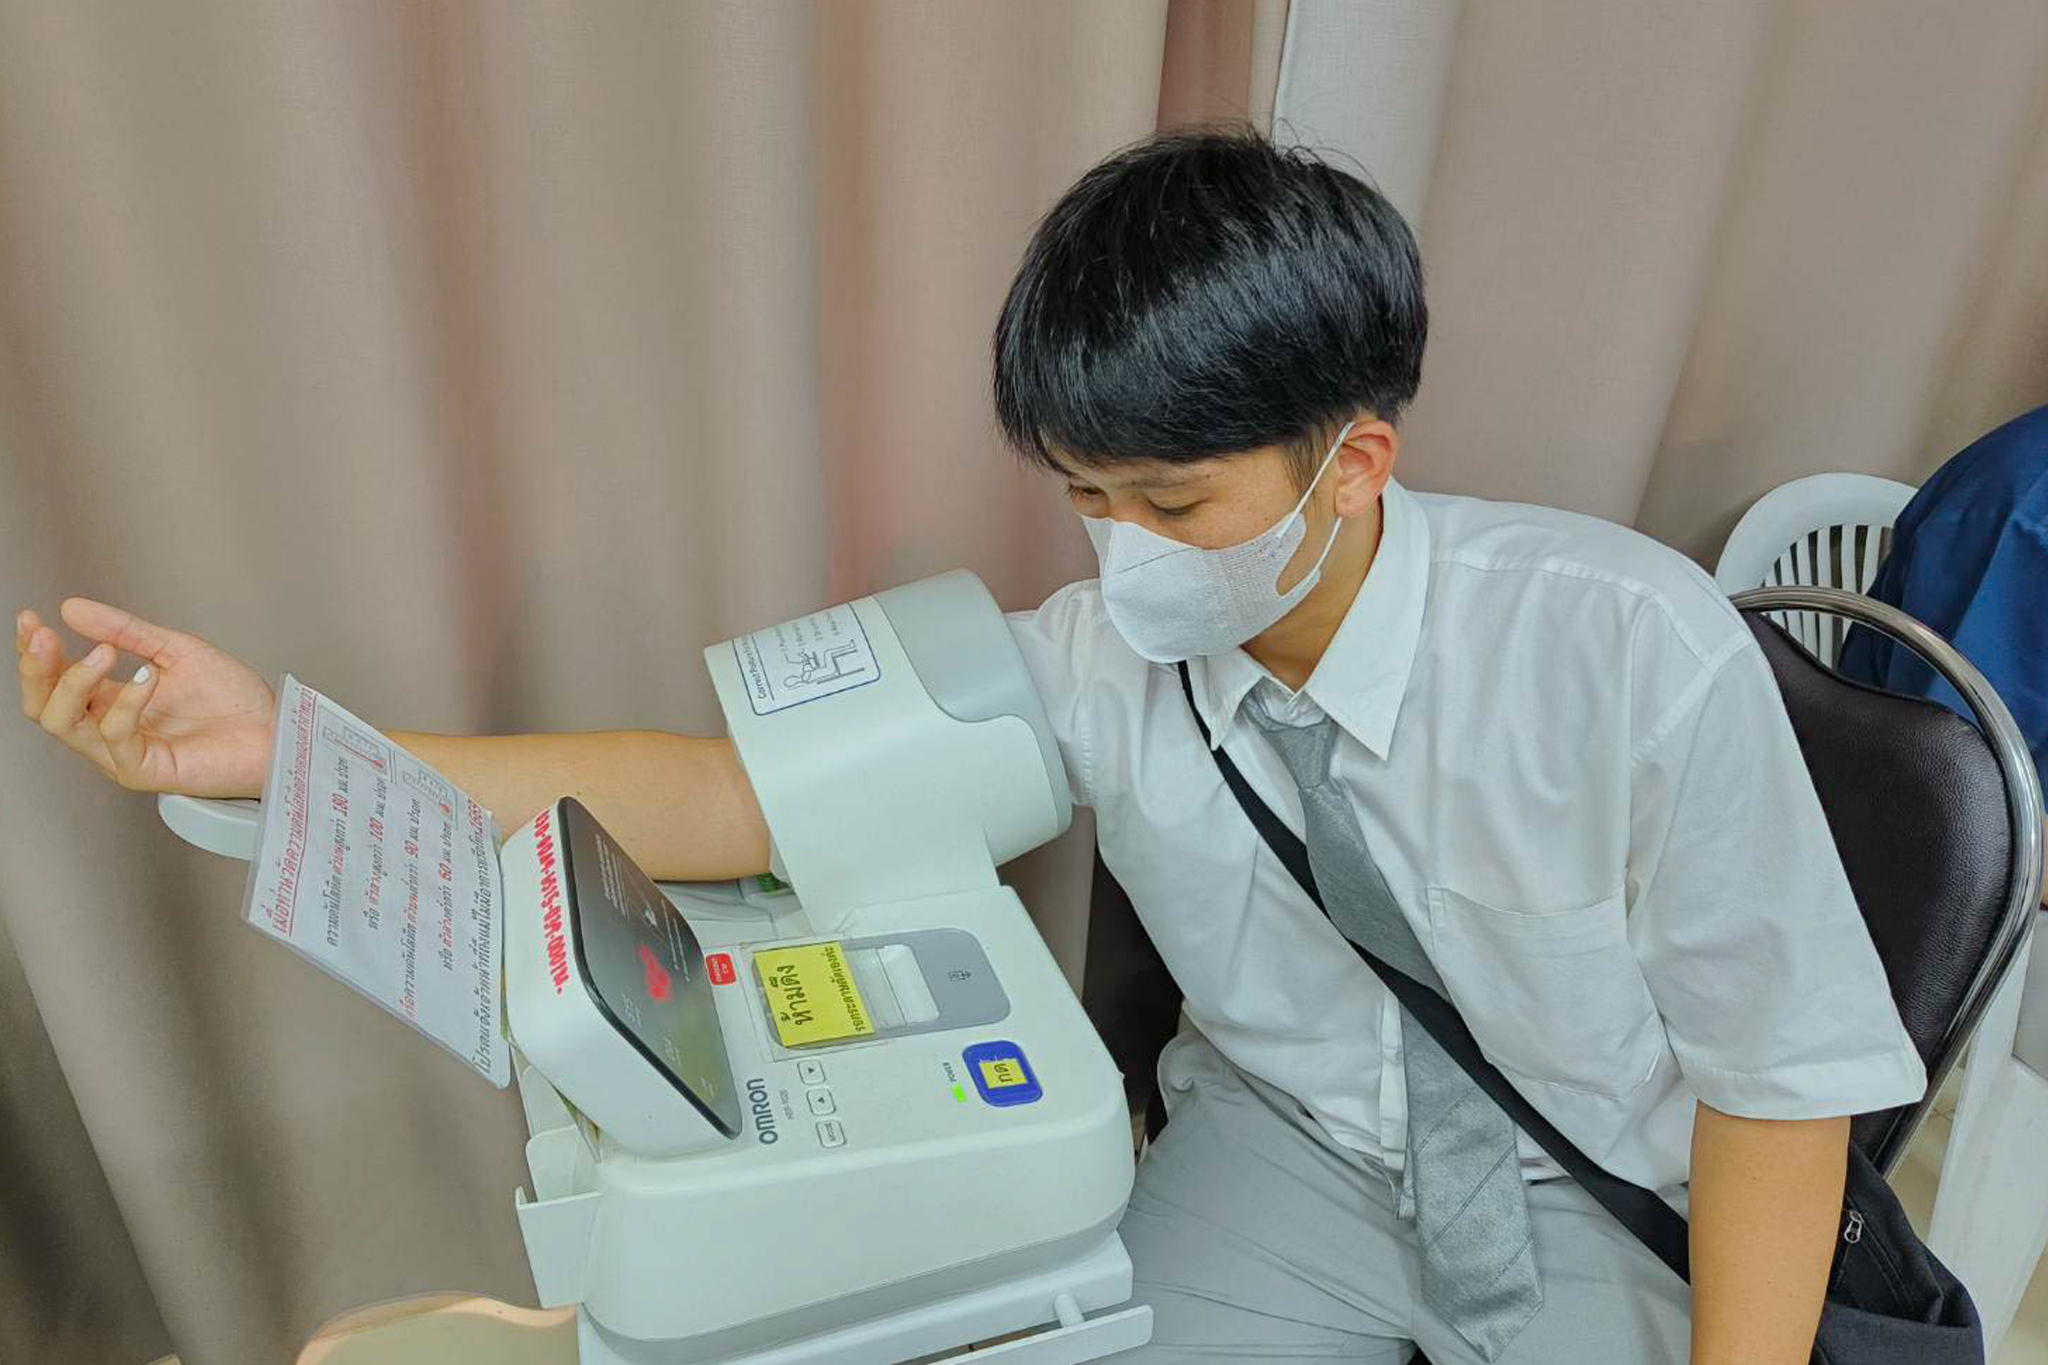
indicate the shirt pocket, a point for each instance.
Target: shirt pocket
{"x":1555,"y":996}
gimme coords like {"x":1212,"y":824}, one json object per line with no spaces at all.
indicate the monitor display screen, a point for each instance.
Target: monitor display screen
{"x":645,"y":968}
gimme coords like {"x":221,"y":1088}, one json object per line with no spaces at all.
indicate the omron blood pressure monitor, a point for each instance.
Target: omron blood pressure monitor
{"x":936,"y":1149}
{"x":609,"y":987}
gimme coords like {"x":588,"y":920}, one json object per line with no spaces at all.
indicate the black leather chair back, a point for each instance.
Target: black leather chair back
{"x":1918,"y":806}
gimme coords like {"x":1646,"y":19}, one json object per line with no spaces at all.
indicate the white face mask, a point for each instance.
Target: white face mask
{"x":1172,"y":601}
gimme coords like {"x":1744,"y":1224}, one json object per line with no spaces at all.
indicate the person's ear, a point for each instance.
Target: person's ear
{"x":1364,"y":464}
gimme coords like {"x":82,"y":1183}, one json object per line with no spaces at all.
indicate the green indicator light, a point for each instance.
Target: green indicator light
{"x":959,"y":1094}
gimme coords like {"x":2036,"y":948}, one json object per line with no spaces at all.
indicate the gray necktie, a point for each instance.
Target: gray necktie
{"x":1462,"y":1183}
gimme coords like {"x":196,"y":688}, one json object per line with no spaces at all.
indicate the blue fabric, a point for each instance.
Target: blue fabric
{"x":1969,"y":557}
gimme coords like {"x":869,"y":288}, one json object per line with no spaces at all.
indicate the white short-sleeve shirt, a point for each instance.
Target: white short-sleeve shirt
{"x":1572,"y":764}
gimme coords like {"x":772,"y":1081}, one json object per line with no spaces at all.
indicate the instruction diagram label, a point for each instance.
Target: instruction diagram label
{"x":803,"y":660}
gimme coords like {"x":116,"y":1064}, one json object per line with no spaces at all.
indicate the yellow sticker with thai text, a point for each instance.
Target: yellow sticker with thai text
{"x":812,"y":996}
{"x":997,"y":1072}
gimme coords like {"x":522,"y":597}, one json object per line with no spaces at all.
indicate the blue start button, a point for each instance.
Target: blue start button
{"x":1001,"y":1074}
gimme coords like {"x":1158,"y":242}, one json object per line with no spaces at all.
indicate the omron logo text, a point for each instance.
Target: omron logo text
{"x":764,"y":1111}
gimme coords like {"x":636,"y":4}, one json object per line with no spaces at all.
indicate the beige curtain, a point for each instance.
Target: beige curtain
{"x":1680,"y":253}
{"x":479,"y":364}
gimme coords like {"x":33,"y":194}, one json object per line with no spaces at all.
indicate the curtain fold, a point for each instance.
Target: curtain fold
{"x":1679,"y":254}
{"x":70,"y":1286}
{"x":479,"y":364}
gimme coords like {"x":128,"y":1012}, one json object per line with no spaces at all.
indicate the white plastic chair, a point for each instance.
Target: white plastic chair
{"x":1990,"y":1221}
{"x":1823,"y":531}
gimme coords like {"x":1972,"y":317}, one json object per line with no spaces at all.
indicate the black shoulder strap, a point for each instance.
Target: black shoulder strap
{"x":1655,"y":1223}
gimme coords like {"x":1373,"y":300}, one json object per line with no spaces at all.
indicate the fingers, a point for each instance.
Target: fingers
{"x":39,"y":657}
{"x":65,"y":706}
{"x":74,"y":688}
{"x":93,"y":714}
{"x":120,"y":726}
{"x":121,"y":629}
{"x":40,"y":661}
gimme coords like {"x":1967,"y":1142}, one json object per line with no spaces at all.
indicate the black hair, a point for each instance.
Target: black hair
{"x":1205,"y":292}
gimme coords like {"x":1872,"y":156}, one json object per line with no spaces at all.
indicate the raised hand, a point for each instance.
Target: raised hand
{"x":191,"y":719}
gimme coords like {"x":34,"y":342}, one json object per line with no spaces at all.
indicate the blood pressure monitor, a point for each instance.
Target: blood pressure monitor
{"x":862,"y":1118}
{"x":609,"y":984}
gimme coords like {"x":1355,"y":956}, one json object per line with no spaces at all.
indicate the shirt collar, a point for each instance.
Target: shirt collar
{"x":1362,"y":676}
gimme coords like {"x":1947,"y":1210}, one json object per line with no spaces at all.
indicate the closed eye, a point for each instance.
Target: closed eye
{"x":1175,"y":513}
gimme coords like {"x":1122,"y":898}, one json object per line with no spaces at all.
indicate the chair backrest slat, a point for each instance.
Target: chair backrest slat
{"x":1872,"y":557}
{"x":1802,"y":621}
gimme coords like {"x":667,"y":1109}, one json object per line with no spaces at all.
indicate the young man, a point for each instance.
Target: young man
{"x":1542,"y":751}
